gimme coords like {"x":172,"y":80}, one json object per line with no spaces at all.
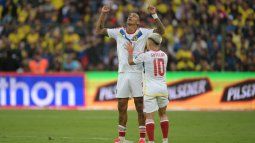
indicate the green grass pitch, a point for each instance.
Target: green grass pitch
{"x":44,"y":126}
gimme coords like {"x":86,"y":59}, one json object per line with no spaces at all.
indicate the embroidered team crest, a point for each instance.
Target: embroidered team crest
{"x":139,"y":34}
{"x":134,"y":38}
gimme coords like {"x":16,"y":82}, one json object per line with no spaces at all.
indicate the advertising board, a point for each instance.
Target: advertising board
{"x":48,"y":90}
{"x":187,"y":90}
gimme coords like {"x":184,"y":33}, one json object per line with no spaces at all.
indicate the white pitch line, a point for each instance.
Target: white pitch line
{"x":127,"y":141}
{"x":97,"y":138}
{"x":84,"y":138}
{"x":53,"y":138}
{"x":6,"y":136}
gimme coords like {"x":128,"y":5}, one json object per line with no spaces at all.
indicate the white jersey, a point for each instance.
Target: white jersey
{"x":138,"y":40}
{"x":154,"y":77}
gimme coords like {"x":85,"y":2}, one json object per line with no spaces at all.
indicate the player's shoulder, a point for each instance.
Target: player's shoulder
{"x":143,"y":54}
{"x":121,"y":27}
{"x":164,"y":53}
{"x":148,"y":53}
{"x":145,"y":29}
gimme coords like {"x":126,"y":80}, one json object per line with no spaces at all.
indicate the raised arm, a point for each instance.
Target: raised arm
{"x":100,"y":29}
{"x":160,"y":27}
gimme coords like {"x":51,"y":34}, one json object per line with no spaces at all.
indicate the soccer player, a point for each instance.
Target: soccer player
{"x":154,"y":84}
{"x":129,"y":82}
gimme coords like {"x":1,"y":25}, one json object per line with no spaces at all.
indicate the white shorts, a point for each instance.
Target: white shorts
{"x":129,"y":85}
{"x":153,"y":103}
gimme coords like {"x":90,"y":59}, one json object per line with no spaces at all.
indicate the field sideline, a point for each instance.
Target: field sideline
{"x":45,"y":126}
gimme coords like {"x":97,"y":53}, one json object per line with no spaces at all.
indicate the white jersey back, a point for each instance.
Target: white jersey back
{"x":138,"y":40}
{"x":154,"y":77}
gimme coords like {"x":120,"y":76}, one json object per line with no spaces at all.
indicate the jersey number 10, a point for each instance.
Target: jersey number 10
{"x":159,"y":67}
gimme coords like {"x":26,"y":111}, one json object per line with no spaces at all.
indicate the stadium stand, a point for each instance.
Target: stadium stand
{"x":58,"y":35}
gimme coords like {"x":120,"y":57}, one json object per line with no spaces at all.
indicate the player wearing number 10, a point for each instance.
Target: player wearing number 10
{"x":154,"y":84}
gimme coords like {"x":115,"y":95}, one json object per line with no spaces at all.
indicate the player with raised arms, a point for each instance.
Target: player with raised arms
{"x":129,"y":82}
{"x":154,"y":84}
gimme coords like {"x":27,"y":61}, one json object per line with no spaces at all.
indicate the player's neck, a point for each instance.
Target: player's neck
{"x":131,"y":29}
{"x":154,"y":49}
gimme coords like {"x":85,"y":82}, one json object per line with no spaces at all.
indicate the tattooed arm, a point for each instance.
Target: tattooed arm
{"x":160,"y":27}
{"x":100,"y":29}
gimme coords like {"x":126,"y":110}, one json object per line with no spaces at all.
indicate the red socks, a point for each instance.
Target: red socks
{"x":122,"y":134}
{"x":142,"y":131}
{"x":122,"y":131}
{"x":150,"y":130}
{"x":164,"y":128}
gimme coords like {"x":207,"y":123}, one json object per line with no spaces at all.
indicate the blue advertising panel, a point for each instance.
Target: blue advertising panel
{"x":49,"y":90}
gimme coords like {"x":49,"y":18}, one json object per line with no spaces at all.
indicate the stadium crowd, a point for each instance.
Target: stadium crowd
{"x":59,"y":35}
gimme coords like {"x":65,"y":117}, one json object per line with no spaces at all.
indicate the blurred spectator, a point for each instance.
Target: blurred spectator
{"x":185,"y":59}
{"x":38,"y":64}
{"x":198,"y":43}
{"x":70,"y":64}
{"x":10,"y":56}
{"x":200,"y":35}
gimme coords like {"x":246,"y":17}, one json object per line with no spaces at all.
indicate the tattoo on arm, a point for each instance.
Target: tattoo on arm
{"x":160,"y":27}
{"x":100,"y":29}
{"x":102,"y":20}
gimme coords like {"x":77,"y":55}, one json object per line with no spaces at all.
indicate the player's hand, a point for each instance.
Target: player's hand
{"x":105,"y":9}
{"x":152,"y":9}
{"x":129,"y":47}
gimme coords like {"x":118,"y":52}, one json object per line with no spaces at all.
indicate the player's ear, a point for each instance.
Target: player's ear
{"x":146,"y":48}
{"x":138,"y":22}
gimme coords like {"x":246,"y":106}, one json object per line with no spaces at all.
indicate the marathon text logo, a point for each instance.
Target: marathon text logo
{"x":242,"y":91}
{"x":41,"y":91}
{"x":187,"y":88}
{"x":107,"y":92}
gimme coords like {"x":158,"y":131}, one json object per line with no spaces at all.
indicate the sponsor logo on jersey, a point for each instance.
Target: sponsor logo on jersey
{"x":106,"y":92}
{"x":188,"y":88}
{"x":242,"y":91}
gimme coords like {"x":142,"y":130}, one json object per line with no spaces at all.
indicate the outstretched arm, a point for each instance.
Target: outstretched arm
{"x":100,"y":29}
{"x":160,"y":27}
